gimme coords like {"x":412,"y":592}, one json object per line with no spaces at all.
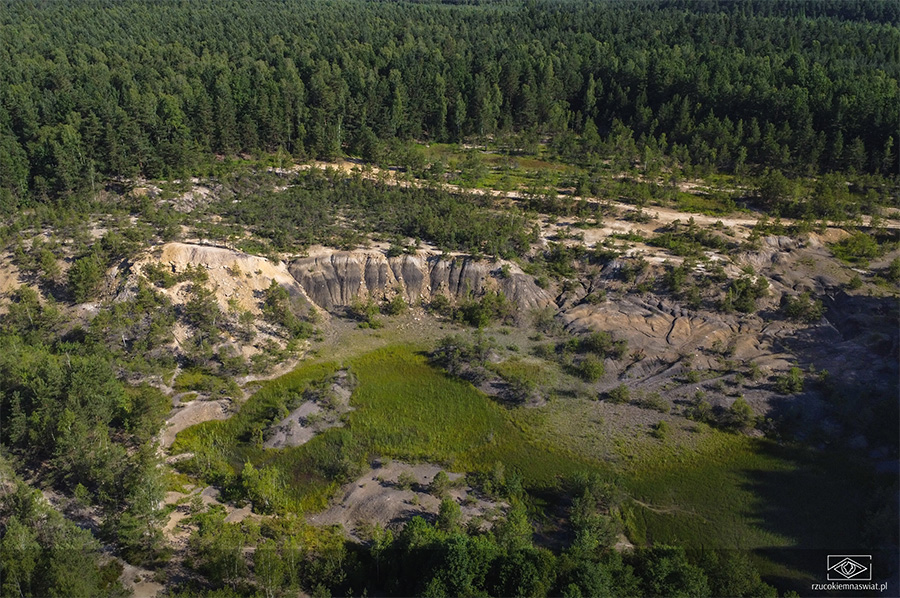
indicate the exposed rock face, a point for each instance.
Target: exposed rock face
{"x":339,"y":278}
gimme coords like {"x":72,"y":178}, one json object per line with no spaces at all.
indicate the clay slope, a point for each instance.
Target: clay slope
{"x":336,"y":279}
{"x":664,"y":332}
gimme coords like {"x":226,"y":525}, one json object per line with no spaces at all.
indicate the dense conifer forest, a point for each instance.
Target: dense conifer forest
{"x":95,"y":89}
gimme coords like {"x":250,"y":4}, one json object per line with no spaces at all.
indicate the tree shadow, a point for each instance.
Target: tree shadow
{"x":821,"y":502}
{"x":833,"y":494}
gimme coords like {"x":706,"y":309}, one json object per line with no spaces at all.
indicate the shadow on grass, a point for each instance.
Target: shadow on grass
{"x":831,"y":500}
{"x":822,"y":502}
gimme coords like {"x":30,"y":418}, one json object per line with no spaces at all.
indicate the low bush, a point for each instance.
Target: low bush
{"x":619,"y":395}
{"x":790,"y":383}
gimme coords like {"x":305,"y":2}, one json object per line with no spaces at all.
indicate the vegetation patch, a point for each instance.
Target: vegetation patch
{"x":404,"y":408}
{"x":200,"y":381}
{"x":735,"y":492}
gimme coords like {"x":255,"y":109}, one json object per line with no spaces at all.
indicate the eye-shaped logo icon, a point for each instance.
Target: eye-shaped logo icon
{"x":849,"y":566}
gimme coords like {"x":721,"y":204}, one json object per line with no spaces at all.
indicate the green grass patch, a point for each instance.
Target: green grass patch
{"x":407,"y":409}
{"x":734,"y":492}
{"x":270,"y":403}
{"x":222,"y":447}
{"x":710,"y":204}
{"x":858,"y":248}
{"x":705,"y":488}
{"x":700,"y":489}
{"x":531,"y":371}
{"x":202,"y":382}
{"x":404,"y":409}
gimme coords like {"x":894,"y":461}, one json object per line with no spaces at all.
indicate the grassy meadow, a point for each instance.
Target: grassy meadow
{"x":701,"y":489}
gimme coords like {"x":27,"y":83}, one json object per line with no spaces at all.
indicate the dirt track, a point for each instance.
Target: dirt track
{"x":663,"y":215}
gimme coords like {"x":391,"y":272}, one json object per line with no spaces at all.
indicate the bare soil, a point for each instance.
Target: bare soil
{"x":191,"y":414}
{"x":140,"y":581}
{"x":312,"y":417}
{"x":9,"y":279}
{"x":377,"y":499}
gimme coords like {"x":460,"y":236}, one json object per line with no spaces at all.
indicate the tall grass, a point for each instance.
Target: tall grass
{"x":403,"y":408}
{"x":725,"y":491}
{"x":407,"y":409}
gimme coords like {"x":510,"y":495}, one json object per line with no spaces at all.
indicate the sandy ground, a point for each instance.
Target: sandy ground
{"x":376,"y":499}
{"x":9,"y":279}
{"x":313,"y":417}
{"x":234,"y":275}
{"x":139,"y":581}
{"x":175,"y":532}
{"x":663,"y":215}
{"x":190,"y":414}
{"x":291,"y":431}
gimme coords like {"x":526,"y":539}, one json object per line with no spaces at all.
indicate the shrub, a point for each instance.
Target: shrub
{"x":449,"y":515}
{"x":700,"y":410}
{"x":754,"y":370}
{"x":395,"y":306}
{"x":520,"y":387}
{"x":84,"y":277}
{"x":675,"y":278}
{"x":743,"y":293}
{"x":279,"y":308}
{"x":202,"y":311}
{"x":491,"y":306}
{"x":602,"y":344}
{"x":803,"y":308}
{"x":791,"y":382}
{"x":857,"y":248}
{"x":591,"y":368}
{"x":544,"y":319}
{"x":159,"y":275}
{"x":619,"y":395}
{"x":365,"y":313}
{"x":194,"y":379}
{"x":661,"y":430}
{"x":463,"y":358}
{"x":595,"y":298}
{"x":739,"y":416}
{"x":893,"y":270}
{"x":440,"y":484}
{"x":395,"y":250}
{"x":652,"y":401}
{"x":440,"y":304}
{"x":406,"y":480}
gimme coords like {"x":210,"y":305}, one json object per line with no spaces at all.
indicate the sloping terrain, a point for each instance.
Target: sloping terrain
{"x":233,"y":275}
{"x":338,"y":278}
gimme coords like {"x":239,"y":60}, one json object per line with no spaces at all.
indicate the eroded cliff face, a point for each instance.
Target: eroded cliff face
{"x":336,"y":279}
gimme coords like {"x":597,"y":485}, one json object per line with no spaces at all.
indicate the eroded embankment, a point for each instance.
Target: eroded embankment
{"x":334,"y":279}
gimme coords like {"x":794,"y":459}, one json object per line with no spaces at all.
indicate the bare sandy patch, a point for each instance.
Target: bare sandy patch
{"x":232,"y":274}
{"x":377,"y":498}
{"x":192,"y":414}
{"x":139,"y":581}
{"x":321,"y":411}
{"x":9,"y":280}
